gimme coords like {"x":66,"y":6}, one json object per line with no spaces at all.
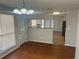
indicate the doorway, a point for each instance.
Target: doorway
{"x":59,"y":36}
{"x":64,"y":29}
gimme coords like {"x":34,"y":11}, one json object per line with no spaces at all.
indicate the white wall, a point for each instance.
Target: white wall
{"x":77,"y":41}
{"x":71,"y":28}
{"x":21,"y":29}
{"x":40,"y":35}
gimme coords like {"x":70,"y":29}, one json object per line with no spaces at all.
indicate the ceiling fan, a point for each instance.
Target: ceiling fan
{"x":26,"y":11}
{"x":22,"y":10}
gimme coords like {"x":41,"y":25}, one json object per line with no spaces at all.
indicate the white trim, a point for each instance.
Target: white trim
{"x":6,"y":49}
{"x":69,"y":45}
{"x":42,"y":42}
{"x":9,"y":51}
{"x":15,"y":47}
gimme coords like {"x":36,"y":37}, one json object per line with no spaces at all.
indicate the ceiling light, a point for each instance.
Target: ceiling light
{"x":56,"y":13}
{"x":16,"y":11}
{"x":23,"y":11}
{"x":30,"y":12}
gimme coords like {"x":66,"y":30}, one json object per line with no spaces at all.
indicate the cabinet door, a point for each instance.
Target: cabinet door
{"x":7,"y":23}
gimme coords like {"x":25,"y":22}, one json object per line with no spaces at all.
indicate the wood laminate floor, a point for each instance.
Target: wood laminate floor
{"x":58,"y":39}
{"x":33,"y":50}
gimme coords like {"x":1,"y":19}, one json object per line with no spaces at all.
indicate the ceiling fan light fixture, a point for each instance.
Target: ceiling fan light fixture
{"x":30,"y":11}
{"x":23,"y":11}
{"x":16,"y":11}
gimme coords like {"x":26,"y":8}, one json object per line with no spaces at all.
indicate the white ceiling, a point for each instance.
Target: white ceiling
{"x":58,"y":5}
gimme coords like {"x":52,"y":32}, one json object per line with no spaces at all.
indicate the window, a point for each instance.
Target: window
{"x":47,"y":24}
{"x":7,"y":33}
{"x":42,"y":23}
{"x":52,"y":24}
{"x":33,"y":23}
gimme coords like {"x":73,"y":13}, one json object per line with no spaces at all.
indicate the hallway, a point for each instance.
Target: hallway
{"x":34,"y":50}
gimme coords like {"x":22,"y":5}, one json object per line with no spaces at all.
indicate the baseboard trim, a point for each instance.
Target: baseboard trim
{"x":11,"y":50}
{"x":41,"y":42}
{"x":70,"y":45}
